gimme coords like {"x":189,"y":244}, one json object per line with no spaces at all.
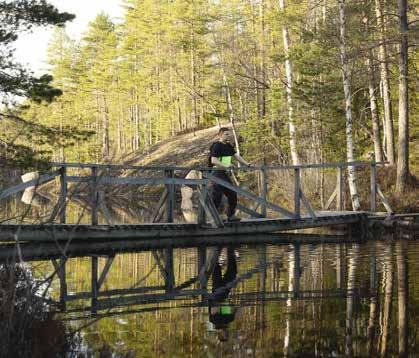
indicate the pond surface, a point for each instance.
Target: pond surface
{"x":296,"y":300}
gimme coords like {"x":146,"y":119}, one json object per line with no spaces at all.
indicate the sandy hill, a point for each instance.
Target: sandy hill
{"x":183,"y":150}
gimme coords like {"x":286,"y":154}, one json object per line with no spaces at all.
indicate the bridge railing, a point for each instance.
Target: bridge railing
{"x":167,"y":177}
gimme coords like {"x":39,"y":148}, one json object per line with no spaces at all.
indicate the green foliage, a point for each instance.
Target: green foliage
{"x":171,"y":67}
{"x":17,"y":145}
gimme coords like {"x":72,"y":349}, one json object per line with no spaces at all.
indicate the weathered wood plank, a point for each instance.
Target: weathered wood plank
{"x":138,"y":181}
{"x":264,"y":179}
{"x":34,"y":182}
{"x":105,"y":271}
{"x":249,"y":195}
{"x":94,"y":284}
{"x":34,"y":251}
{"x":308,"y":206}
{"x":115,"y":292}
{"x":63,"y":195}
{"x":297,"y":196}
{"x":210,"y":210}
{"x":339,"y":189}
{"x":252,"y":213}
{"x":170,"y":201}
{"x":94,"y":200}
{"x":199,"y":168}
{"x":53,"y":232}
{"x":157,"y":210}
{"x":373,"y":188}
{"x":331,"y":198}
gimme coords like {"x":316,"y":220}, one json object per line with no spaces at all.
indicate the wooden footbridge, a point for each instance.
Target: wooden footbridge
{"x":162,"y":224}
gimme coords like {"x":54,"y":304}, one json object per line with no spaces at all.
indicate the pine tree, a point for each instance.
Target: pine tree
{"x":16,"y":81}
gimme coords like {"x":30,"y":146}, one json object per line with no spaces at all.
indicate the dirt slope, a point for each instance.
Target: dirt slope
{"x":184,"y":150}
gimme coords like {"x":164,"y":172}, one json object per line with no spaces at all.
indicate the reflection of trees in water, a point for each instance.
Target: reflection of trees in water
{"x":175,"y":327}
{"x":403,"y":290}
{"x":388,"y":293}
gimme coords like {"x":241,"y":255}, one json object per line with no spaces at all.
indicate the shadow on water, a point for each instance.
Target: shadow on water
{"x":276,"y":298}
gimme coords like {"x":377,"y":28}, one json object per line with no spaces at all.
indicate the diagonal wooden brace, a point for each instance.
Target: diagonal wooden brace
{"x":210,"y":209}
{"x":249,"y":195}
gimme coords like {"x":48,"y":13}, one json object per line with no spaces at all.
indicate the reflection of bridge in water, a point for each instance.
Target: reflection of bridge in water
{"x":192,"y":292}
{"x":359,"y":281}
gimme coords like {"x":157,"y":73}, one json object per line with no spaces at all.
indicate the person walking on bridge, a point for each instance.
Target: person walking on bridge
{"x":221,"y":155}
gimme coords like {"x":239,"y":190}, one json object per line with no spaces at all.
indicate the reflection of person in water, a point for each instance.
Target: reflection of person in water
{"x":221,"y":313}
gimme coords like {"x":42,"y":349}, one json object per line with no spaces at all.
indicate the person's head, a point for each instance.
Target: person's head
{"x":224,"y":134}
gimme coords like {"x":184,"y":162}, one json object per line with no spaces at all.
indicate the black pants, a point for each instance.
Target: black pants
{"x":219,"y":282}
{"x":217,"y":192}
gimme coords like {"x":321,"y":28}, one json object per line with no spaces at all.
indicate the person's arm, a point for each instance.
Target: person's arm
{"x":240,"y":159}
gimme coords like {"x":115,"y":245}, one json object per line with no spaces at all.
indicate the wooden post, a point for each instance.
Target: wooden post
{"x":170,"y":203}
{"x":169,"y":269}
{"x":264,"y":177}
{"x":297,"y":208}
{"x":201,"y":209}
{"x":63,"y":194}
{"x":94,"y":283}
{"x":202,"y":257}
{"x":339,"y":189}
{"x":94,"y":198}
{"x":63,"y":282}
{"x":373,"y":187}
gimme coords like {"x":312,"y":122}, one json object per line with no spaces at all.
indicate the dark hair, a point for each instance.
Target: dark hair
{"x":222,"y":130}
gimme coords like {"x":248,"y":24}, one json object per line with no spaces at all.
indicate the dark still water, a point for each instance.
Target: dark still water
{"x":297,"y":300}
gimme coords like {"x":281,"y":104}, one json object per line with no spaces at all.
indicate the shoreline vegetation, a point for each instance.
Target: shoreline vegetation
{"x":190,"y":149}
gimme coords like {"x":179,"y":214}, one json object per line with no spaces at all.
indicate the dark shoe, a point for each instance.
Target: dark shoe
{"x":233,"y":218}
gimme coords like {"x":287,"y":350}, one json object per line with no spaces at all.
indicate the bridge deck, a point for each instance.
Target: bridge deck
{"x":60,"y":232}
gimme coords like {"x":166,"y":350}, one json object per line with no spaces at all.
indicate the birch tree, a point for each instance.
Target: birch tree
{"x":289,"y":85}
{"x":348,"y":106}
{"x":376,"y":132}
{"x":403,"y":144}
{"x":385,"y":82}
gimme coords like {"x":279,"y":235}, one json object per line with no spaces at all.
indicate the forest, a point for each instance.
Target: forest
{"x":302,"y":82}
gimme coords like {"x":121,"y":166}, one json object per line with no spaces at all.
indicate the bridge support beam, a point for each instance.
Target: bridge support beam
{"x":170,"y":201}
{"x":94,"y":196}
{"x":297,"y":195}
{"x":63,"y":194}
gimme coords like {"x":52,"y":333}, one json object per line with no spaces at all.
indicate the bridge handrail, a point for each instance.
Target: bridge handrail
{"x":170,"y":181}
{"x":203,"y":168}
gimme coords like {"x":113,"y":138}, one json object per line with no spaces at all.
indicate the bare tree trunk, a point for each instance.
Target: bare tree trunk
{"x":230,"y":111}
{"x":228,"y":91}
{"x":348,"y":108}
{"x":195,"y":119}
{"x":388,"y":116}
{"x":105,"y":126}
{"x":261,"y":78}
{"x":376,"y":132}
{"x":119,"y":125}
{"x":137,"y":126}
{"x":289,"y":75}
{"x":403,"y":144}
{"x":62,"y":157}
